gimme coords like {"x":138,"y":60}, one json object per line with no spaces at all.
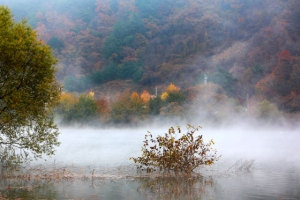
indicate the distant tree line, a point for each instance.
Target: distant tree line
{"x":206,"y":102}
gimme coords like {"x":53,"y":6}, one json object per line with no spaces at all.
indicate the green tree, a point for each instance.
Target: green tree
{"x":112,"y":48}
{"x":120,"y":111}
{"x":86,"y":108}
{"x":172,"y":109}
{"x":268,"y":111}
{"x":80,"y":109}
{"x":28,"y":90}
{"x":155,"y":105}
{"x":176,"y":96}
{"x":65,"y":109}
{"x":225,"y":79}
{"x":56,"y":43}
{"x":127,"y":70}
{"x":138,"y":74}
{"x":123,"y":35}
{"x":110,"y":72}
{"x":151,"y":8}
{"x":97,"y":78}
{"x":130,"y":70}
{"x":74,"y":84}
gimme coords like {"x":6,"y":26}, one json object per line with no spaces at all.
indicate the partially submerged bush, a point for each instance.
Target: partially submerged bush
{"x":167,"y":153}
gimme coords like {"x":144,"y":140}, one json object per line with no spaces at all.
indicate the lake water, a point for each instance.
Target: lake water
{"x":274,"y":174}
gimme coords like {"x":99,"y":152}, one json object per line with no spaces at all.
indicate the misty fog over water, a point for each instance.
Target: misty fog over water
{"x":115,"y":146}
{"x":275,"y":173}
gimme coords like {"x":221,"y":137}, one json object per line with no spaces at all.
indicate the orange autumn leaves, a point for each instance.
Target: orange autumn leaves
{"x":125,"y":107}
{"x":281,"y":86}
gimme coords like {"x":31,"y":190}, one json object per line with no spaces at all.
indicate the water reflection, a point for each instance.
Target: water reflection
{"x":265,"y":181}
{"x":123,"y":182}
{"x":27,"y":190}
{"x":262,"y":182}
{"x":174,"y":187}
{"x":102,"y":170}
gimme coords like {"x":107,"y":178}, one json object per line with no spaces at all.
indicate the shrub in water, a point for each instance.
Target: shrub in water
{"x":167,"y":153}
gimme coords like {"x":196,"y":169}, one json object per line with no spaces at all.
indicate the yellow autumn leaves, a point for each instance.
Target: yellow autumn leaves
{"x":171,"y":88}
{"x":123,"y":107}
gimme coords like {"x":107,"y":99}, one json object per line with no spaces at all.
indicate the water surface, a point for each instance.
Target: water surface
{"x":274,"y":174}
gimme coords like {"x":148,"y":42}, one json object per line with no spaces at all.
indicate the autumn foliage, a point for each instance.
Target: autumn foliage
{"x":168,"y":153}
{"x":170,"y":89}
{"x":239,"y":46}
{"x":284,"y":55}
{"x":125,"y":107}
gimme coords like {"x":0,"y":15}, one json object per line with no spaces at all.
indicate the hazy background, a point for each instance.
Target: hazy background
{"x":110,"y":49}
{"x":248,"y":49}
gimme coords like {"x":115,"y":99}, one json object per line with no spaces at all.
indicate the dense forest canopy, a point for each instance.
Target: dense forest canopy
{"x":248,"y":50}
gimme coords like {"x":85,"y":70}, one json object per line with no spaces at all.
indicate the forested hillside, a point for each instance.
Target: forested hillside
{"x":130,"y":60}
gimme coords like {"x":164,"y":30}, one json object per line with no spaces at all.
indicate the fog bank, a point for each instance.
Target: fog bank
{"x":113,"y":147}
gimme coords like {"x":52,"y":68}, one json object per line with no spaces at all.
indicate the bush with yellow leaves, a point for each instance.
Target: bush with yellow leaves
{"x":166,"y":153}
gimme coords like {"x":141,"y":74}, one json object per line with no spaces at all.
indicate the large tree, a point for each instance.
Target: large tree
{"x":28,"y":89}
